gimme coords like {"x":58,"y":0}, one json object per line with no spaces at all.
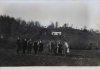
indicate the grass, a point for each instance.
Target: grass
{"x":8,"y":57}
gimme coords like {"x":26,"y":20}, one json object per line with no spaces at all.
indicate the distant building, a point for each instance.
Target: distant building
{"x":56,"y":33}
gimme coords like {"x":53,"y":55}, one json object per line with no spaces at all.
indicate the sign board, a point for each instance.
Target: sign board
{"x":56,"y":33}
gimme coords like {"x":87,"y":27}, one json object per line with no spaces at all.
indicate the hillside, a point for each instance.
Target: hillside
{"x":11,"y":28}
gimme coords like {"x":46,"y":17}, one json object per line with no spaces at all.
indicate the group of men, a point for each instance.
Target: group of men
{"x":26,"y":46}
{"x":59,"y":48}
{"x":54,"y":47}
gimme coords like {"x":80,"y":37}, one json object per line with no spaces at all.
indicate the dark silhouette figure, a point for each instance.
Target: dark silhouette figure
{"x":24,"y":45}
{"x":29,"y":46}
{"x":60,"y":49}
{"x":53,"y":48}
{"x":40,"y":47}
{"x":35,"y":47}
{"x":18,"y":42}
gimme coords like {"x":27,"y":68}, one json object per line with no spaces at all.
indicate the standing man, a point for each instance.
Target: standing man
{"x":67,"y":48}
{"x":57,"y":48}
{"x":35,"y":47}
{"x":18,"y":42}
{"x":24,"y":45}
{"x":40,"y":47}
{"x":60,"y":48}
{"x":29,"y":48}
{"x":52,"y":48}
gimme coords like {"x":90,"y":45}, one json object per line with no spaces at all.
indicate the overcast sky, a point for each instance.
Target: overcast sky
{"x":79,"y":13}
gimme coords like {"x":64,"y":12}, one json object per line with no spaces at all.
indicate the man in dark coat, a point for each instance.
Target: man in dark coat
{"x":53,"y":48}
{"x":24,"y":45}
{"x":60,"y":48}
{"x":40,"y":47}
{"x":35,"y":47}
{"x":18,"y":42}
{"x":29,"y":48}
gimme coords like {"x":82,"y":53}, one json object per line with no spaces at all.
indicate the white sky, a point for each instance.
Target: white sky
{"x":76,"y":12}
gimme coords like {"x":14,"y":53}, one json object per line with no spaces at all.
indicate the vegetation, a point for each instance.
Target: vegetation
{"x":11,"y":28}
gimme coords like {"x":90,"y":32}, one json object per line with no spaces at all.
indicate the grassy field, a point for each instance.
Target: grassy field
{"x":8,"y":57}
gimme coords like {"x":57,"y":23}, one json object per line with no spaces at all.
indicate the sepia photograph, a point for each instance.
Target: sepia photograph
{"x":49,"y":33}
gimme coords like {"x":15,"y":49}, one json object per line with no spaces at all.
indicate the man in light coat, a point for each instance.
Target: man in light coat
{"x":66,"y":48}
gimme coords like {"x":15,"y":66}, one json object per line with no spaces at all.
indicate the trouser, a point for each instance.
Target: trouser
{"x":29,"y":51}
{"x":18,"y":49}
{"x":24,"y":50}
{"x":35,"y":50}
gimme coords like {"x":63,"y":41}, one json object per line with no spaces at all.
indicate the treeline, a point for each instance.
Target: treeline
{"x":11,"y":28}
